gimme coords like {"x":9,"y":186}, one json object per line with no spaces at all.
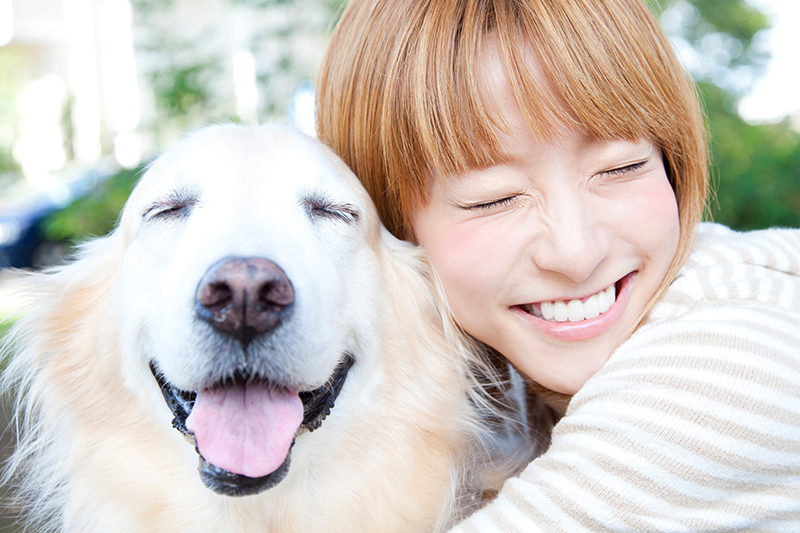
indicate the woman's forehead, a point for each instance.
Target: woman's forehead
{"x":507,"y":81}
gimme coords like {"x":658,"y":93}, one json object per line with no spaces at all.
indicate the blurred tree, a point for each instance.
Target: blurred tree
{"x":176,"y":68}
{"x":183,"y":89}
{"x":187,"y":51}
{"x":755,"y":168}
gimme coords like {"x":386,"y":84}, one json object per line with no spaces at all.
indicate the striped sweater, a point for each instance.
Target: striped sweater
{"x":694,"y":422}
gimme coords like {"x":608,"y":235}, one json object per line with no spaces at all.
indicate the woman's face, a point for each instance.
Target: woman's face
{"x":551,"y":256}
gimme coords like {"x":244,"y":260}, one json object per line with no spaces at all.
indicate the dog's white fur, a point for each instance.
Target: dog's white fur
{"x":401,"y":450}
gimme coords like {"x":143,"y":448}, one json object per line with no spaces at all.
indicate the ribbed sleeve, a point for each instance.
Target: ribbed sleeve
{"x":694,"y":422}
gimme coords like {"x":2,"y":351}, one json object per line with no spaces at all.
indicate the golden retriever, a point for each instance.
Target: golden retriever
{"x":250,"y":303}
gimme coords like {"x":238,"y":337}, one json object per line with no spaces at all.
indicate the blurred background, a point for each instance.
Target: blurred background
{"x":90,"y":90}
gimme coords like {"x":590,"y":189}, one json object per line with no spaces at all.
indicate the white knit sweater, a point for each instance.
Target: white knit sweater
{"x":694,"y":422}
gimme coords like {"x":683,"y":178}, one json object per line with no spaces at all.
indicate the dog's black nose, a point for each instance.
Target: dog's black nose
{"x":244,"y":296}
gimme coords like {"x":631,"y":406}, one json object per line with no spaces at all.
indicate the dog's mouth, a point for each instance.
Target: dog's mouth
{"x":244,"y":428}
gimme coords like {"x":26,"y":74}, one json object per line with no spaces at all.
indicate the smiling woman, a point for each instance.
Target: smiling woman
{"x":550,"y":156}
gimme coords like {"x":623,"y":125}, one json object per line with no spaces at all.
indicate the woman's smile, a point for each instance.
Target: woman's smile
{"x":578,"y":318}
{"x":574,"y":310}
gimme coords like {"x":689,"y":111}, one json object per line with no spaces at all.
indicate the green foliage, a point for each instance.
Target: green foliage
{"x":186,"y":54}
{"x":150,"y":5}
{"x":5,"y":325}
{"x":181,"y":90}
{"x":7,"y":162}
{"x":92,"y":215}
{"x":181,"y":77}
{"x":737,"y":18}
{"x":755,"y":169}
{"x":7,"y":321}
{"x":722,"y":36}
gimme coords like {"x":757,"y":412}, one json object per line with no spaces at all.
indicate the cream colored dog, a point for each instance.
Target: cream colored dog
{"x":252,"y":287}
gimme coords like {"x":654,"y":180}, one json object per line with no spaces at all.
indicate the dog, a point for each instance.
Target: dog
{"x":250,"y":302}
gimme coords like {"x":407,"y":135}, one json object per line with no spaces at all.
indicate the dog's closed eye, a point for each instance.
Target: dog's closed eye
{"x":320,"y":206}
{"x":176,"y":204}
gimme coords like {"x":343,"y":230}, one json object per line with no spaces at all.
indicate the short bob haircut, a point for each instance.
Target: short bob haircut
{"x":399,"y":92}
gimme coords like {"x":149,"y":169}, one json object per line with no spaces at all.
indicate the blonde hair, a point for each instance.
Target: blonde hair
{"x":400,"y":98}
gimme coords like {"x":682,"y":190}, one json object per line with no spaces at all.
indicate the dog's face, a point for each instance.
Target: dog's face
{"x":247,"y":285}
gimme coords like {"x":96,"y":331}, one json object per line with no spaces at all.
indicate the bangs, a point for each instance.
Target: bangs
{"x":568,"y":64}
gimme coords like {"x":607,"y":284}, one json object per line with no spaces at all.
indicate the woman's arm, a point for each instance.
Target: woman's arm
{"x":693,"y":425}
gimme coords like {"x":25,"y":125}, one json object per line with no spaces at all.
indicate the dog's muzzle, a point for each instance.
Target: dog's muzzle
{"x":244,"y":425}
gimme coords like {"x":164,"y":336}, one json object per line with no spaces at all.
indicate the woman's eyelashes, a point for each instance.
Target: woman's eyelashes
{"x":618,"y":176}
{"x":502,"y":202}
{"x":627,"y":169}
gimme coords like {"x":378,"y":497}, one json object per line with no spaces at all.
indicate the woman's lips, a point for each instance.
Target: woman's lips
{"x":579,"y":319}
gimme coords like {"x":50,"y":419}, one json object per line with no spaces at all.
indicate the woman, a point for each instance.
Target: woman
{"x":551,"y":157}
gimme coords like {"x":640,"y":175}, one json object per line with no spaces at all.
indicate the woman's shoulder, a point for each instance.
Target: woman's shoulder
{"x":775,"y":248}
{"x":732,"y":269}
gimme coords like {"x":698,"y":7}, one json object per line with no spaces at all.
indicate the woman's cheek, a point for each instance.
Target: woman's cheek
{"x":650,"y":217}
{"x":469,"y":259}
{"x":662,"y":213}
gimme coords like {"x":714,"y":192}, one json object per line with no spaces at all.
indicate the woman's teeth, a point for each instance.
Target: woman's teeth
{"x":574,"y":310}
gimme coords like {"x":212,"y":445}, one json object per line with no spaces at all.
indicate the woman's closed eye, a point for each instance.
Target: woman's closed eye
{"x":627,"y":169}
{"x":502,"y":202}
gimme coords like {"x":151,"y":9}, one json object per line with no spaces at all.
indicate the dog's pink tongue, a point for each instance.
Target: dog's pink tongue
{"x":245,"y":429}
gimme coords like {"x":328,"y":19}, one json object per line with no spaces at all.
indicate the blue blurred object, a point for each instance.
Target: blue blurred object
{"x":22,"y":242}
{"x":301,"y":112}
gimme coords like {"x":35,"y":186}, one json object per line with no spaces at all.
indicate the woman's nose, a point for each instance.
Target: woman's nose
{"x":571,"y":241}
